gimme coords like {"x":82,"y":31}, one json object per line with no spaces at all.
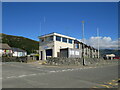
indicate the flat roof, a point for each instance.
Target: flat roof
{"x":56,"y":34}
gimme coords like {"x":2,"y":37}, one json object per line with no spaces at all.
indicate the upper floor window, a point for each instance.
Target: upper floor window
{"x":42,"y":40}
{"x":64,"y":39}
{"x":70,"y":41}
{"x":50,"y":38}
{"x":58,"y":38}
{"x":77,"y":45}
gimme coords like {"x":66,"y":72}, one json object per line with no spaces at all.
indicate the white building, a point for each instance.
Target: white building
{"x":110,"y":56}
{"x":18,"y":52}
{"x":58,"y":45}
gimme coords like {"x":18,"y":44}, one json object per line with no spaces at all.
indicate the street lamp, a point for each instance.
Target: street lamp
{"x":83,"y":42}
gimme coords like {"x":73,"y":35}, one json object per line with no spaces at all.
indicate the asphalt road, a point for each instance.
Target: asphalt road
{"x":21,"y":75}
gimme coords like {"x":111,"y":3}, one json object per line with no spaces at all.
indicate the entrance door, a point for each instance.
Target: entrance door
{"x":48,"y":53}
{"x":41,"y":54}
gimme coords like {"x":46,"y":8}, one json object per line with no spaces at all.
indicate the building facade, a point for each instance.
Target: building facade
{"x":58,"y":45}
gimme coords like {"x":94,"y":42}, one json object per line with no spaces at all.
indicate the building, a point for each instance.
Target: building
{"x":5,"y":49}
{"x":58,"y":45}
{"x":109,"y":56}
{"x":17,"y":52}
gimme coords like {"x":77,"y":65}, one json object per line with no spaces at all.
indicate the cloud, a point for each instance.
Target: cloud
{"x":104,"y":42}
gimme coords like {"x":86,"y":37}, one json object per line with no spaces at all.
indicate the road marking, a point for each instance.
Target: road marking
{"x":53,"y":71}
{"x":113,"y":80}
{"x":12,"y":77}
{"x":95,"y":87}
{"x":64,"y":70}
{"x":70,"y":69}
{"x":58,"y":71}
{"x":110,"y":83}
{"x":22,"y":75}
{"x":106,"y":86}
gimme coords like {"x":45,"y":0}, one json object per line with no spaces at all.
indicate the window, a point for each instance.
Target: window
{"x":42,"y":40}
{"x":50,"y":38}
{"x":76,"y":45}
{"x":70,"y":41}
{"x":58,"y":38}
{"x":64,"y":39}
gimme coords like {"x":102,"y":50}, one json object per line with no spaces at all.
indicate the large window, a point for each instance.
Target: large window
{"x":64,"y":39}
{"x":58,"y":38}
{"x":70,"y":41}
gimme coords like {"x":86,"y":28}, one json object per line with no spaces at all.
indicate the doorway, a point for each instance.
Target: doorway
{"x":49,"y":53}
{"x":41,"y":54}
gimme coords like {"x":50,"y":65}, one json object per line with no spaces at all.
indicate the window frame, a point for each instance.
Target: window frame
{"x":70,"y":40}
{"x":64,"y":39}
{"x":58,"y":38}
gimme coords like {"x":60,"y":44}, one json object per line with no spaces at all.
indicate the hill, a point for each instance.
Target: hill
{"x":20,"y":42}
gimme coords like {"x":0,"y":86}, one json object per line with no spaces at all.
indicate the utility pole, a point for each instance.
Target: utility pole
{"x":98,"y":41}
{"x":83,"y":54}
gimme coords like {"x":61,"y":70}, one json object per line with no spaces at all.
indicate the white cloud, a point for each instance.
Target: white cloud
{"x":104,"y":42}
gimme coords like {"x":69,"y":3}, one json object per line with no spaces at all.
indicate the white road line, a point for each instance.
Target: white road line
{"x":63,"y":70}
{"x":52,"y":71}
{"x":22,"y":76}
{"x":12,"y":77}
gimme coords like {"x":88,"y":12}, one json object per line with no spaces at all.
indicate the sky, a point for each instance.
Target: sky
{"x":32,"y":19}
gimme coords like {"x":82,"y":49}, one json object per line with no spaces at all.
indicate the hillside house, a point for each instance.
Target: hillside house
{"x":110,"y":56}
{"x":5,"y":49}
{"x":17,"y":52}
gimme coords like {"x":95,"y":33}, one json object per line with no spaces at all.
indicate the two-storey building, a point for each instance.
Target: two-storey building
{"x":58,"y":45}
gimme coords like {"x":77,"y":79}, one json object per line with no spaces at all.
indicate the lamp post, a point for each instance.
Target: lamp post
{"x":98,"y":41}
{"x":83,"y":54}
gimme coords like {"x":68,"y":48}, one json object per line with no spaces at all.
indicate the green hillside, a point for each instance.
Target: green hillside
{"x":20,"y":42}
{"x":109,"y":51}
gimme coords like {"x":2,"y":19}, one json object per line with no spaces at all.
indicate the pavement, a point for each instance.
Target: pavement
{"x":35,"y":75}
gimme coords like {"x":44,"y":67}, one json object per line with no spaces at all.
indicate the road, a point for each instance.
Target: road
{"x":21,"y":75}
